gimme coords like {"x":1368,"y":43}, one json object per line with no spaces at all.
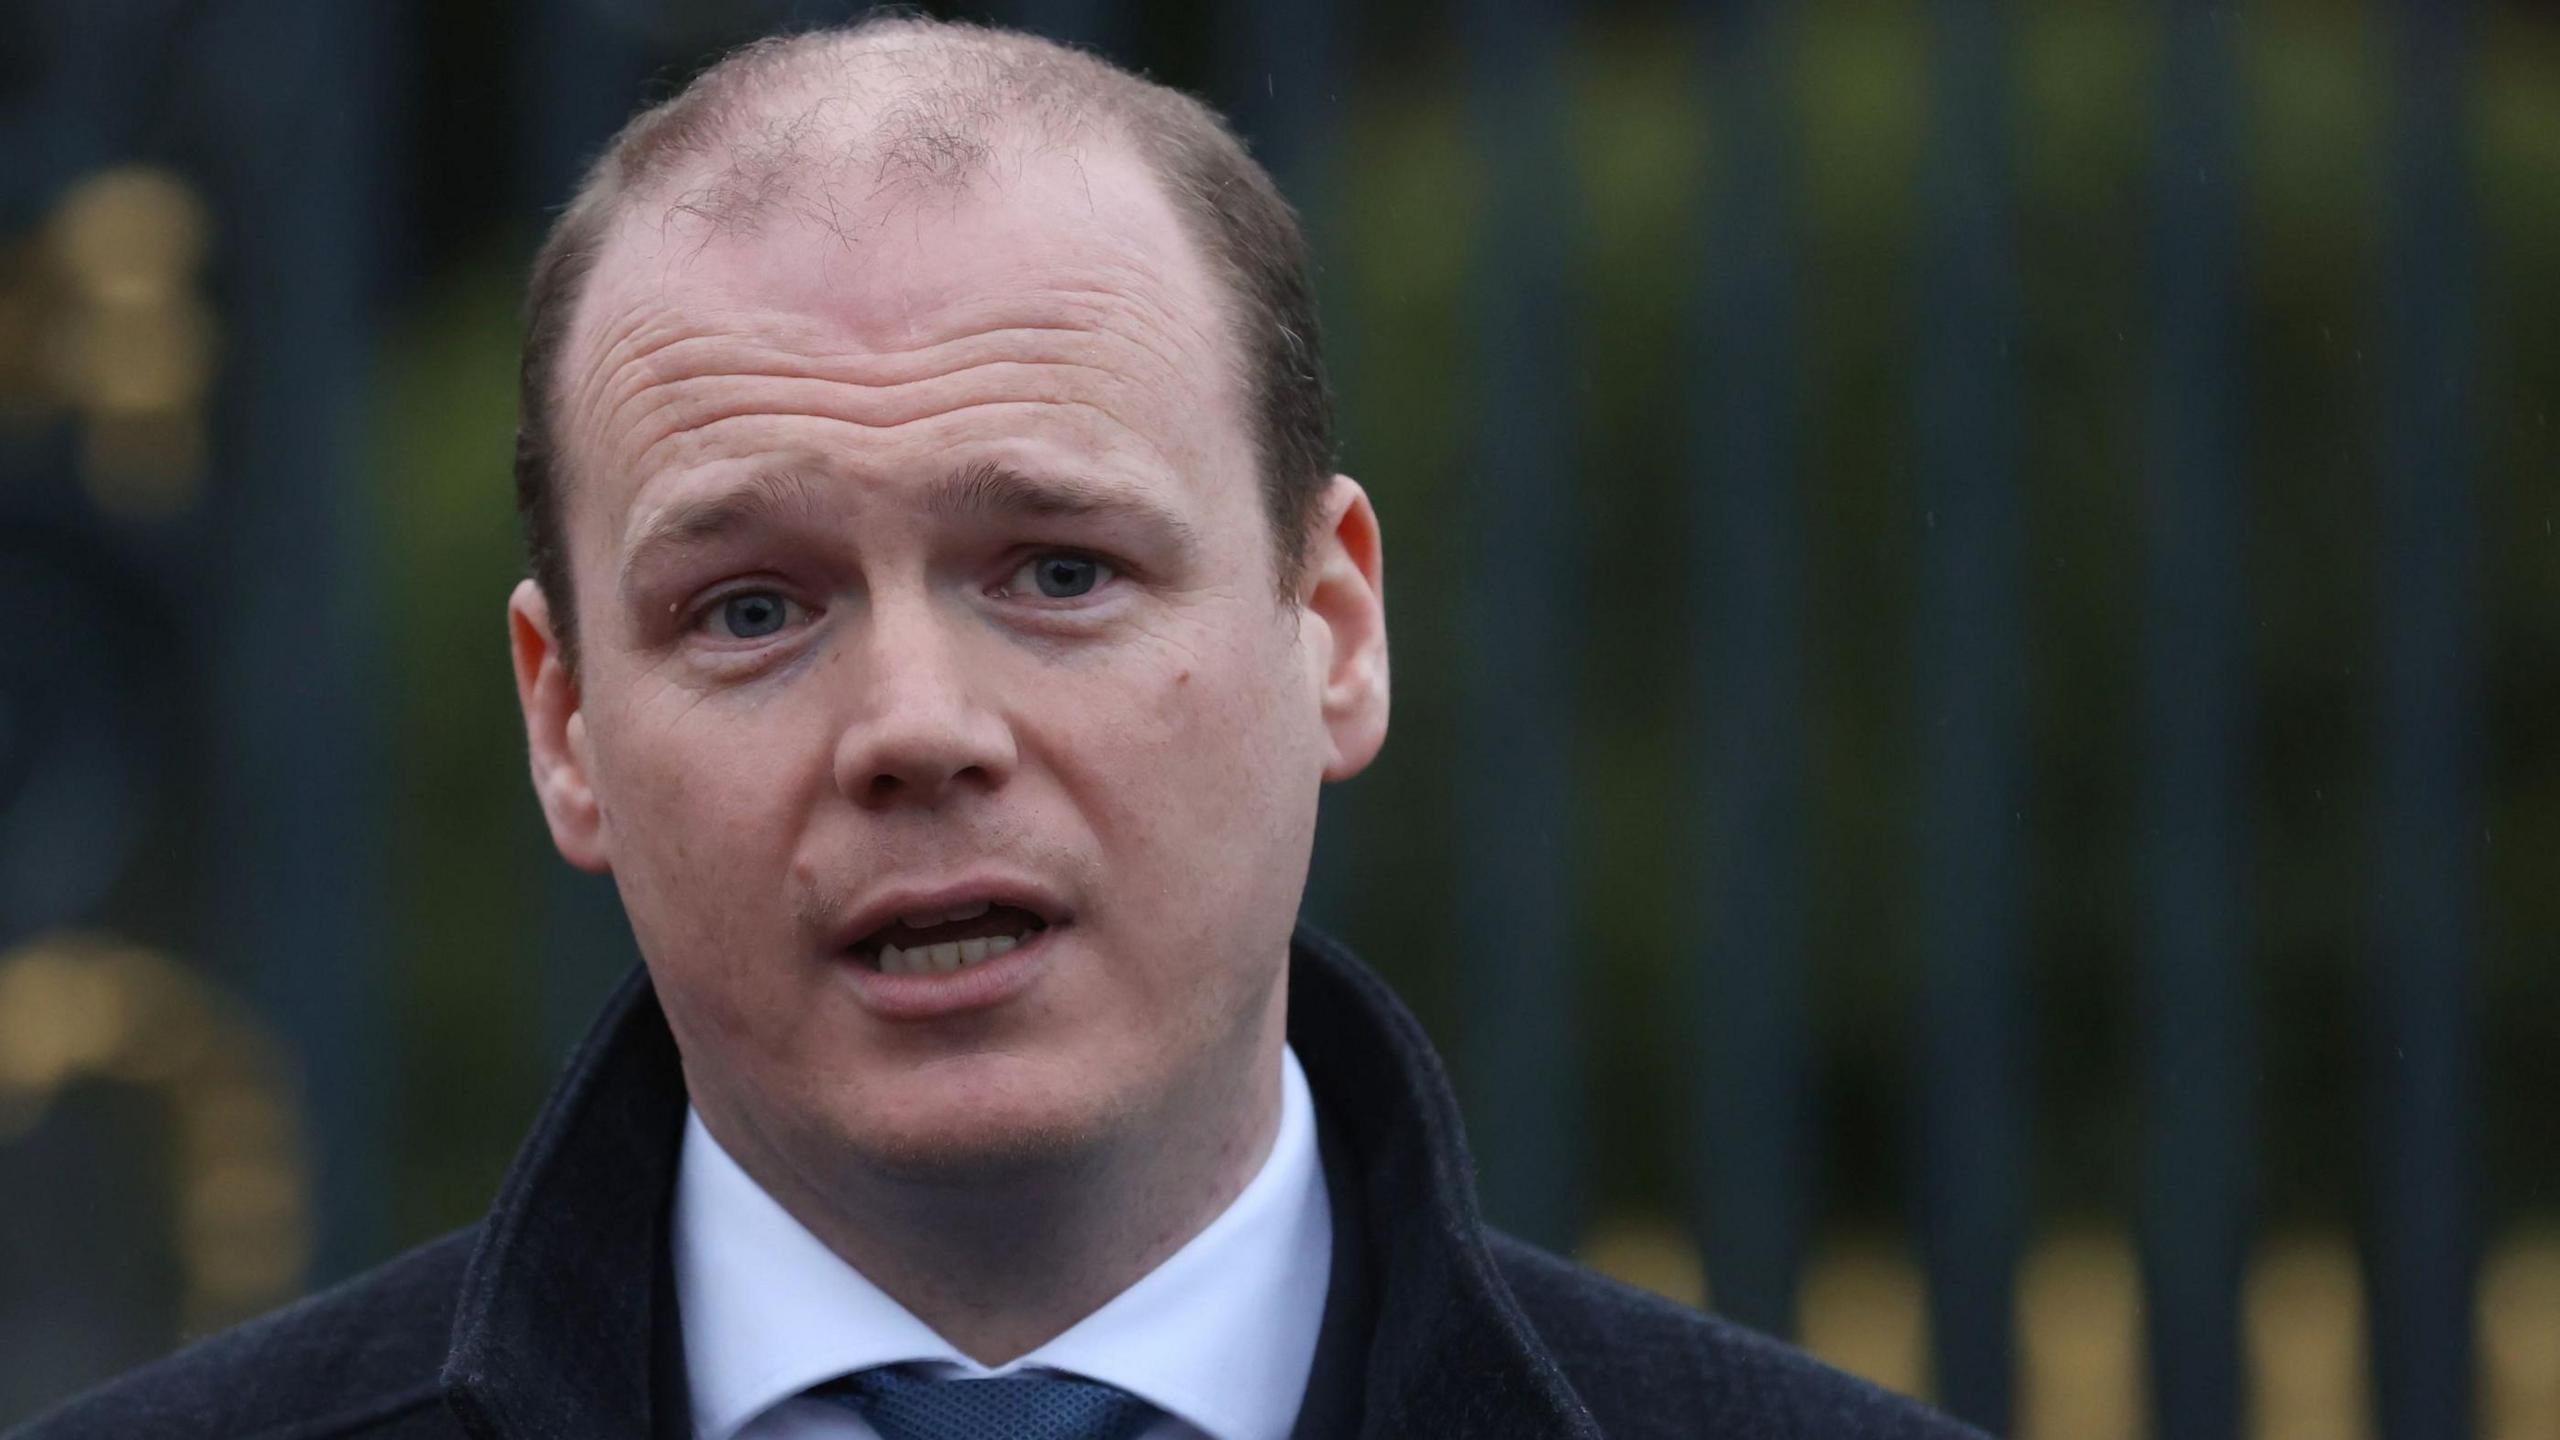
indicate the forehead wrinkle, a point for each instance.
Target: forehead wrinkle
{"x":819,"y":400}
{"x":655,"y":400}
{"x":629,"y":341}
{"x":1145,"y":442}
{"x":676,"y":395}
{"x":657,"y":349}
{"x":733,"y":356}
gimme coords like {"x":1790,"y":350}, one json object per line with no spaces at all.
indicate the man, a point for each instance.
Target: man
{"x":943,"y":617}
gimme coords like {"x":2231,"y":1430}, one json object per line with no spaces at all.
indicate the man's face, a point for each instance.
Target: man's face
{"x":927,"y":606}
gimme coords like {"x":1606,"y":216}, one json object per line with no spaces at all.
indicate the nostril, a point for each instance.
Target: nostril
{"x":919,"y":782}
{"x":915,"y":756}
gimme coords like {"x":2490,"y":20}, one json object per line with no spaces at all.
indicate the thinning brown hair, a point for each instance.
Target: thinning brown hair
{"x":953,"y":88}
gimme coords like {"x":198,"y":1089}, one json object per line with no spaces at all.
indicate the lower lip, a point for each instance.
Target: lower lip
{"x":989,"y":983}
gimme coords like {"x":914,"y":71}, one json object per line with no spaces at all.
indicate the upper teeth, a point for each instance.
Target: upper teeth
{"x":946,"y":957}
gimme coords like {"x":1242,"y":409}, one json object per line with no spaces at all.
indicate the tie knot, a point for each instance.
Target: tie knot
{"x":903,"y":1405}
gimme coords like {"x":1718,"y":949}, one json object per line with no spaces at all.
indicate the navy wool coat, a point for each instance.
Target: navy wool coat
{"x":554,"y":1317}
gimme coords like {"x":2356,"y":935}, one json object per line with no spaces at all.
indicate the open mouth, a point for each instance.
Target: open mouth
{"x":938,"y":944}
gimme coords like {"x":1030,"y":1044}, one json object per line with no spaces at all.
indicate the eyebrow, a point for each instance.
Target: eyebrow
{"x":988,"y":489}
{"x":779,"y":495}
{"x":786,"y":494}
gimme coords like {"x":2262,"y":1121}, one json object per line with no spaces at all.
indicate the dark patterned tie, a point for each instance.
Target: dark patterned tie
{"x":903,"y":1405}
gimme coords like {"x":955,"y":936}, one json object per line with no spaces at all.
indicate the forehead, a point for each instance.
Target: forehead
{"x":1056,"y":292}
{"x":878,"y":255}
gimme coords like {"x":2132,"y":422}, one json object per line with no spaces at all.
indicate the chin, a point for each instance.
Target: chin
{"x":977,"y":1139}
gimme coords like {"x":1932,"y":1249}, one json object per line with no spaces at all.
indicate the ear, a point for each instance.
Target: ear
{"x":555,"y":730}
{"x":1342,"y":601}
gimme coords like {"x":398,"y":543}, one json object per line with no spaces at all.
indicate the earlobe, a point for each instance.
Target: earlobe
{"x":1343,"y":593}
{"x":555,"y":728}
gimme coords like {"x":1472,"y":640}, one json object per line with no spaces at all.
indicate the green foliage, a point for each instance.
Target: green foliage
{"x":463,"y":835}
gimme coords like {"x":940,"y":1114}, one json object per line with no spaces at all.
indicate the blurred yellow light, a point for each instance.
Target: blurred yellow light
{"x":57,"y":1018}
{"x":2304,"y":1310}
{"x":131,"y":233}
{"x":1650,"y":1253}
{"x":73,"y":1007}
{"x":2520,"y":1338}
{"x":2080,"y":1309}
{"x":234,"y":1194}
{"x":173,"y":1036}
{"x":137,"y":357}
{"x":1865,"y":1310}
{"x":233,"y":1116}
{"x":119,"y":330}
{"x":233,"y":1281}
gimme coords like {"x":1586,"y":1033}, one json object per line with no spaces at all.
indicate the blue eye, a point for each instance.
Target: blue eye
{"x":1063,"y":576}
{"x":753,"y":614}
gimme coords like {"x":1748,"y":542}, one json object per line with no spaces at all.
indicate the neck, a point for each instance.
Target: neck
{"x":999,"y":1264}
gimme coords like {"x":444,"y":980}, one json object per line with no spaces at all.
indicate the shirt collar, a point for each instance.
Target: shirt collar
{"x":1222,"y":1334}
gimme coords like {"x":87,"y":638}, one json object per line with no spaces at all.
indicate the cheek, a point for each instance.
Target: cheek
{"x":1203,"y":782}
{"x":699,"y":823}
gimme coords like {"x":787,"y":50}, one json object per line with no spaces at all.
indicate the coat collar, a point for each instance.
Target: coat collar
{"x":563,"y":1304}
{"x":555,"y":1329}
{"x":1451,"y":1353}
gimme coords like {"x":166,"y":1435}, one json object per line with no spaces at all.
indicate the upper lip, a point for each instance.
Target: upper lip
{"x":885,"y":907}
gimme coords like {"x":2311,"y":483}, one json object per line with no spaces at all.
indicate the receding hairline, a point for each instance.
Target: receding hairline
{"x":782,"y":133}
{"x":894,"y":110}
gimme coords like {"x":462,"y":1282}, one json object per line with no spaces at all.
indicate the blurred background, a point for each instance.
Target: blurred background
{"x":1977,"y":621}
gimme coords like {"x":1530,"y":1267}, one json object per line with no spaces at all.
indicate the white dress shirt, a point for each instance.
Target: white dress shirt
{"x":1220,"y":1337}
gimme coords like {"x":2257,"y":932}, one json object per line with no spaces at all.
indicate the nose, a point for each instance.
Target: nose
{"x":920,"y":729}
